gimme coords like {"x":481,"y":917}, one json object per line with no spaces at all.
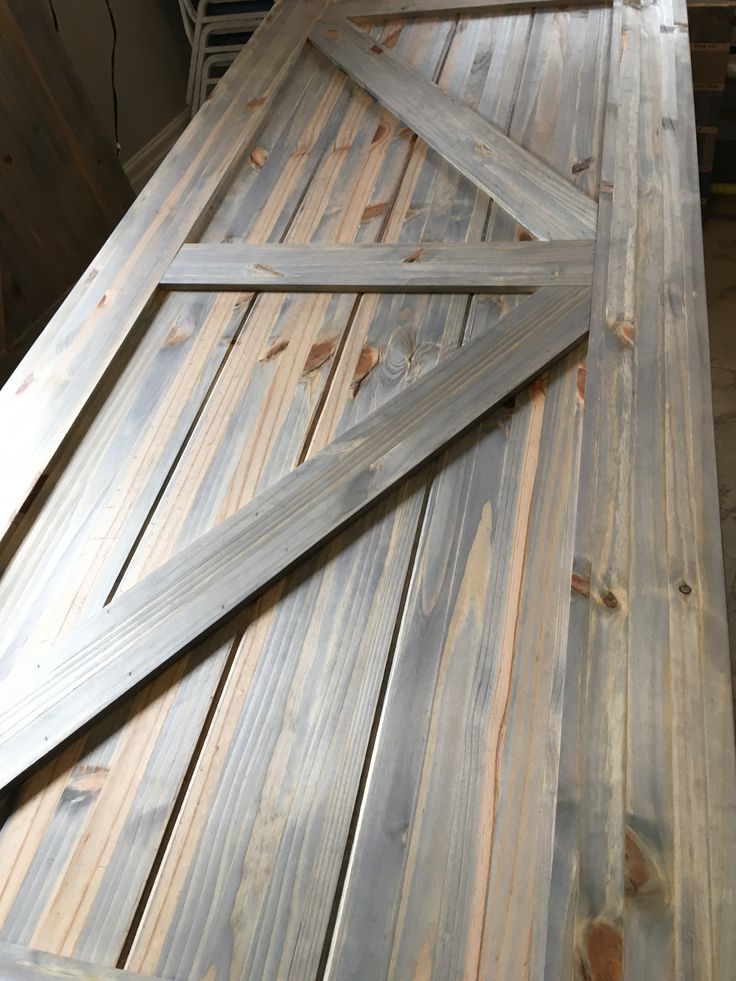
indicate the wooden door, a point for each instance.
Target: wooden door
{"x":368,"y":617}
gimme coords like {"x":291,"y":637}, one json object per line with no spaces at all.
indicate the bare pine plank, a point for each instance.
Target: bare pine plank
{"x":22,"y":964}
{"x":142,"y":629}
{"x":410,"y":268}
{"x":43,"y":398}
{"x":549,"y":206}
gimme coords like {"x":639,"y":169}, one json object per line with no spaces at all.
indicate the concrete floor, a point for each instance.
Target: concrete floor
{"x":720,"y":272}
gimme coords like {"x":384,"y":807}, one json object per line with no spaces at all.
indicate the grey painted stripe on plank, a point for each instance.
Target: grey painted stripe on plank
{"x":186,"y":597}
{"x":506,"y":267}
{"x":45,"y":395}
{"x":530,"y":190}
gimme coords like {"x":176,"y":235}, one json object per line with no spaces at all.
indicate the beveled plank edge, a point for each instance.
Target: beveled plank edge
{"x":366,"y":9}
{"x":26,"y":964}
{"x":533,"y":193}
{"x":191,"y":594}
{"x":41,"y":402}
{"x":379,"y":268}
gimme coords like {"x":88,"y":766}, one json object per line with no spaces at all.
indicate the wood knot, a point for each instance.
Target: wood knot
{"x":256,"y":103}
{"x":581,"y":165}
{"x":625,"y":331}
{"x":319,"y":353}
{"x":177,"y":335}
{"x":580,"y":584}
{"x":602,"y":956}
{"x":582,"y":375}
{"x":380,"y":134}
{"x":376,"y":49}
{"x":87,"y":779}
{"x":276,"y":348}
{"x":637,"y":869}
{"x":258,"y":157}
{"x":609,"y":600}
{"x":269,"y":270}
{"x":369,"y":358}
{"x":374,"y":210}
{"x":685,"y":589}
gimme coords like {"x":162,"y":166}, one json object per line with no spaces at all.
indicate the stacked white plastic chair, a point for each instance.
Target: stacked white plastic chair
{"x":217,"y":30}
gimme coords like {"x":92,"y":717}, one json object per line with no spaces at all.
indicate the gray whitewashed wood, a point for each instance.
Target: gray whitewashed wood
{"x":313,"y":661}
{"x":53,"y":696}
{"x":507,"y":267}
{"x":42,"y":400}
{"x":407,"y":8}
{"x":418,"y":896}
{"x":642,"y":883}
{"x":25,"y":964}
{"x":539,"y":198}
{"x":311,"y":187}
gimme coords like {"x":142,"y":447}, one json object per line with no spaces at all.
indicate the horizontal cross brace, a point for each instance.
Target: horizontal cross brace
{"x":421,"y":268}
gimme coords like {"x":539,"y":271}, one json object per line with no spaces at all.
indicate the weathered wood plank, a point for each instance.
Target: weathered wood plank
{"x":549,"y":206}
{"x":251,"y":431}
{"x":647,"y":781}
{"x":52,"y":893}
{"x":507,"y":267}
{"x":409,"y":8}
{"x":314,"y":652}
{"x":142,"y":629}
{"x":23,"y":964}
{"x":442,"y":843}
{"x":42,"y":400}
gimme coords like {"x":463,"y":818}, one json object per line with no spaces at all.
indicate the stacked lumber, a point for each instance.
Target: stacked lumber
{"x":366,"y":620}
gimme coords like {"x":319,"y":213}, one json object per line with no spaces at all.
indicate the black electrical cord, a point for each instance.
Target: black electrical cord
{"x":114,"y":27}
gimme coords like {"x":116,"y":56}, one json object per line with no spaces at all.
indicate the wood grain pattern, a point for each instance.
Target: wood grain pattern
{"x":420,"y":753}
{"x":549,"y":206}
{"x":22,"y":964}
{"x":633,"y":856}
{"x":463,"y":874}
{"x":77,"y":909}
{"x":191,"y":594}
{"x":409,"y":8}
{"x":51,"y":386}
{"x":312,"y":633}
{"x":412,"y":268}
{"x":327,"y":177}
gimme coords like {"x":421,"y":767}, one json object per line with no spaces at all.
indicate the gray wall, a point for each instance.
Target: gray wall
{"x":152,"y":63}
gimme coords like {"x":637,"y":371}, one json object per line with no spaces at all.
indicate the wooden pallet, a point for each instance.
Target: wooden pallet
{"x":359,"y":621}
